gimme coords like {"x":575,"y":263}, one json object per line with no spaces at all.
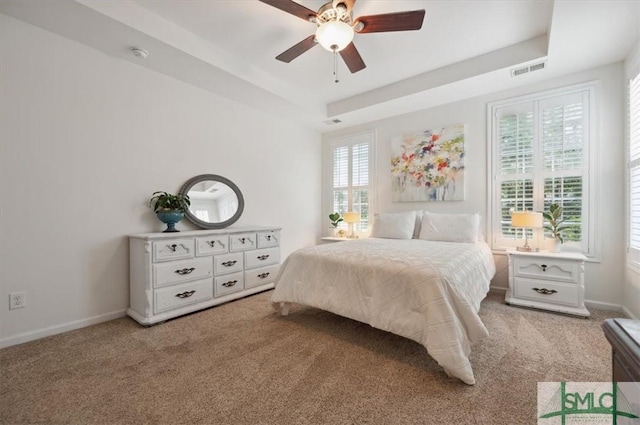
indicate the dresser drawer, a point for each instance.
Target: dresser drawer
{"x":228,"y":263}
{"x":229,"y":283}
{"x":175,"y":249}
{"x":181,"y":271}
{"x":548,"y":292}
{"x":212,"y":245}
{"x":260,"y":276}
{"x":180,"y":295}
{"x":547,"y":269}
{"x":242,"y":241}
{"x":261,"y":257}
{"x":268,"y":239}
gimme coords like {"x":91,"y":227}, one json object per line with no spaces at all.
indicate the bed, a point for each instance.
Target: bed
{"x":425,"y":290}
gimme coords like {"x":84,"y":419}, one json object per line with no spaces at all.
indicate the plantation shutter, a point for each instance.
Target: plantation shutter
{"x":516,"y":166}
{"x":540,"y":157}
{"x":634,"y":169}
{"x":563,"y":144}
{"x":351,"y":177}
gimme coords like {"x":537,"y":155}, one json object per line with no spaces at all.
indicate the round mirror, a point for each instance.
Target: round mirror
{"x":216,"y":202}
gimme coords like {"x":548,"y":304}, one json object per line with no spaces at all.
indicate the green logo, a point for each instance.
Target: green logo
{"x":586,"y":402}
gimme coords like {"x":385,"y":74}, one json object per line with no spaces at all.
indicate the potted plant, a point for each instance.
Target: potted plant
{"x":555,"y":226}
{"x":169,"y":208}
{"x":336,"y":219}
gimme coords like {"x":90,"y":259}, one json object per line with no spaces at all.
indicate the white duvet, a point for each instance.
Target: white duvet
{"x":427,"y":291}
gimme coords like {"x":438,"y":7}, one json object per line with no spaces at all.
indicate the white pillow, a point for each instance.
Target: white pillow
{"x":450,"y":227}
{"x":394,"y":225}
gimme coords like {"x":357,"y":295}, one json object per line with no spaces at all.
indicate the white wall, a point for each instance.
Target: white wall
{"x":603,"y":279}
{"x":85,"y":139}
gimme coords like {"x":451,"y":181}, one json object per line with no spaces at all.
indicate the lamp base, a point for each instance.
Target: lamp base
{"x":526,"y":249}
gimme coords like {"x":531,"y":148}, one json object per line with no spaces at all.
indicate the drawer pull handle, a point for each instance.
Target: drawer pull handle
{"x":543,"y":267}
{"x":229,"y":263}
{"x":185,"y":271}
{"x":268,"y":237}
{"x":212,"y":244}
{"x":172,"y":247}
{"x":545,"y":291}
{"x":186,"y":294}
{"x":230,"y":283}
{"x":242,"y":240}
{"x":263,"y":257}
{"x":263,"y":275}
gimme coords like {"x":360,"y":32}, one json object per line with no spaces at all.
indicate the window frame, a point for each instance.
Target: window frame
{"x":589,"y":247}
{"x":633,"y":73}
{"x":350,"y":140}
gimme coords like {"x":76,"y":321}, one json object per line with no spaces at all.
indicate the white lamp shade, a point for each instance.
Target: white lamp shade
{"x":334,"y":33}
{"x":351,"y":217}
{"x":527,"y":219}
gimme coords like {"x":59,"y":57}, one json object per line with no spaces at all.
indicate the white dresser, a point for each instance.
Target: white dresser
{"x":172,"y":274}
{"x":546,"y":280}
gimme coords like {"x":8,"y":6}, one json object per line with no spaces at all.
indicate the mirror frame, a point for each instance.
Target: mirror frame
{"x":205,"y":224}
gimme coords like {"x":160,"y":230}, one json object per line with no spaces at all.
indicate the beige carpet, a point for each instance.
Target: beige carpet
{"x":240,"y":363}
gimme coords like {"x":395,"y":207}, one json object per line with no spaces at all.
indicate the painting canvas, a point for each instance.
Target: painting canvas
{"x":429,"y":165}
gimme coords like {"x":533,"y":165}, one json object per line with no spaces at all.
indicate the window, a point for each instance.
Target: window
{"x":634,"y":170}
{"x":351,"y":177}
{"x":540,"y":148}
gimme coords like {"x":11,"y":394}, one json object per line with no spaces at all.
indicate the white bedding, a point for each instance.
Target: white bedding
{"x":427,"y":291}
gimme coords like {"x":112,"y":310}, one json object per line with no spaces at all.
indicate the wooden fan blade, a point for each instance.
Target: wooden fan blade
{"x":400,"y":21}
{"x":347,"y":3}
{"x":352,"y":58}
{"x":292,"y":7}
{"x":295,"y":51}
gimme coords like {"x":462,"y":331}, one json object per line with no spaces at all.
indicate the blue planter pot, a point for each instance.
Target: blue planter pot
{"x":170,"y":218}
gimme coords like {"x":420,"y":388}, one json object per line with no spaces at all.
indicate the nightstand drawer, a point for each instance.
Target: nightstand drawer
{"x":547,"y":269}
{"x":547,"y":292}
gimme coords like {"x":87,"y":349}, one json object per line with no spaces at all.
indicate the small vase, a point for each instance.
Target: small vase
{"x":170,"y":218}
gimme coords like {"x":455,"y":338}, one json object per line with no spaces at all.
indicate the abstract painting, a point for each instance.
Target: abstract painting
{"x":429,"y":165}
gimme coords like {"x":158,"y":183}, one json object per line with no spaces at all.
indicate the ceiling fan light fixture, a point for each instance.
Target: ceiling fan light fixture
{"x":334,"y":35}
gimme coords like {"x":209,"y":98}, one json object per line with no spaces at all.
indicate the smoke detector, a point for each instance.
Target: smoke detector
{"x":139,"y":53}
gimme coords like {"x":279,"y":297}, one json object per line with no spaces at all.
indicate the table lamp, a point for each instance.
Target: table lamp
{"x":351,"y":217}
{"x":526,"y":220}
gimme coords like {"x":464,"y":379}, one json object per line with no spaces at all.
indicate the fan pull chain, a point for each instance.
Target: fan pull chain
{"x":335,"y":65}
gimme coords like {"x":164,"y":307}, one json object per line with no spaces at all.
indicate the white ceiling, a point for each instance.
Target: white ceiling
{"x":465,"y":48}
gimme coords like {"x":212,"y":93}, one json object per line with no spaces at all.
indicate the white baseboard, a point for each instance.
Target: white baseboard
{"x":629,"y":313}
{"x":58,"y":329}
{"x":497,"y":289}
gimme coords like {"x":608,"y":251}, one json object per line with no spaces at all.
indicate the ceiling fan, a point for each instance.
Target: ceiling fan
{"x":336,"y":28}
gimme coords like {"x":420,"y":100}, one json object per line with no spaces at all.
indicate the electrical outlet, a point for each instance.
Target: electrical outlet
{"x":17,"y":300}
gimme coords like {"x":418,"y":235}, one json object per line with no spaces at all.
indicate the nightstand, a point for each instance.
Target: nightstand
{"x":547,"y":280}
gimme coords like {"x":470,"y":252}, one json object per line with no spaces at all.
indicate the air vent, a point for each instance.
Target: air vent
{"x":529,"y":68}
{"x":332,"y":121}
